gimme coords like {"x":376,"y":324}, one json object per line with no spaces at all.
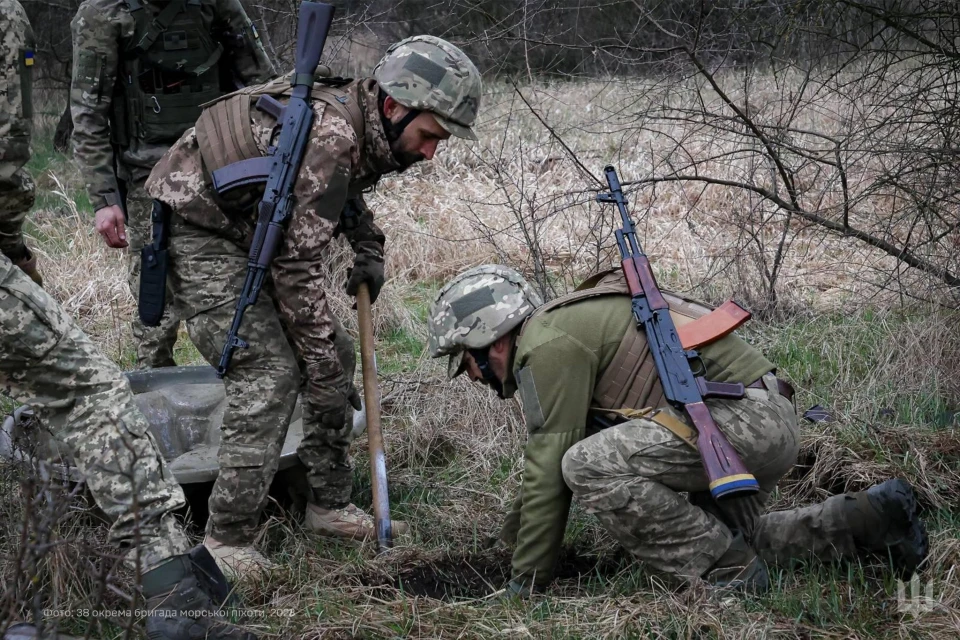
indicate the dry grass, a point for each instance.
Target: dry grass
{"x":887,"y":372}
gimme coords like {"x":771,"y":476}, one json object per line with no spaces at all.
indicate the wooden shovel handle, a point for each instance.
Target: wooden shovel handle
{"x":371,"y":399}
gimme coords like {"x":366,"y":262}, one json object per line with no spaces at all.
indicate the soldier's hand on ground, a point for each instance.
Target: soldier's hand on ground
{"x":109,"y":222}
{"x":516,"y":590}
{"x":510,"y":529}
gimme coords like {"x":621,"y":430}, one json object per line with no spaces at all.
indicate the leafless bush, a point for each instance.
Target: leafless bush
{"x":858,"y":141}
{"x":56,"y":568}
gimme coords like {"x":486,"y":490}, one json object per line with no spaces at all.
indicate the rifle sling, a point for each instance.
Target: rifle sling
{"x":662,"y":418}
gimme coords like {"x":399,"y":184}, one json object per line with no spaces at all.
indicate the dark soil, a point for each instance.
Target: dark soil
{"x":477,"y":575}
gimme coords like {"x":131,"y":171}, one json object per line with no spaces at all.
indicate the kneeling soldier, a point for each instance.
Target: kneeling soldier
{"x":582,"y":354}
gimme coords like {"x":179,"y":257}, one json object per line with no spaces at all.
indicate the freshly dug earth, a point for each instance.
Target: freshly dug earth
{"x":468,"y":576}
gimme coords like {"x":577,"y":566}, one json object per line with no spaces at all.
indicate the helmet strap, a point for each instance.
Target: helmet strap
{"x":394,"y":130}
{"x":482,"y":358}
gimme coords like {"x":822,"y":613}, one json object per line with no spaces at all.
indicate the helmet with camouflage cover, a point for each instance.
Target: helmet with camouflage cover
{"x":475,"y":309}
{"x":430,"y":74}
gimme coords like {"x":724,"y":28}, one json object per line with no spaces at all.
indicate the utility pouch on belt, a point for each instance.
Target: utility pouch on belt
{"x":153,"y":268}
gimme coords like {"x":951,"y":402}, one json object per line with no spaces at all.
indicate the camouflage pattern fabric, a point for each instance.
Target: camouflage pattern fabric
{"x":98,"y":29}
{"x":16,"y":187}
{"x":474,"y":309}
{"x":262,"y":384}
{"x":630,"y":476}
{"x":154,"y":344}
{"x":291,"y":330}
{"x":86,"y":402}
{"x":17,"y":194}
{"x":430,"y":74}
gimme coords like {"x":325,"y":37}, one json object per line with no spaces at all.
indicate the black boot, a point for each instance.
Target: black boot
{"x":188,"y":585}
{"x":739,"y":569}
{"x":883,"y":519}
{"x":26,"y":631}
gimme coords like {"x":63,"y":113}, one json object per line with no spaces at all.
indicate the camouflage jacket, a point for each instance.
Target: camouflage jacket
{"x":16,"y":188}
{"x":557,"y":362}
{"x":100,"y":29}
{"x":335,"y":164}
{"x":16,"y":58}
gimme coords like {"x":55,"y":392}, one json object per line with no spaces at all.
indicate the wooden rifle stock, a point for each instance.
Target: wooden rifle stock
{"x":640,"y":280}
{"x":725,"y":471}
{"x":371,"y":400}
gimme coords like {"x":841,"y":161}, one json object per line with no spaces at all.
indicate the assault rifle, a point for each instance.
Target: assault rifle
{"x":295,"y":120}
{"x":726,"y":473}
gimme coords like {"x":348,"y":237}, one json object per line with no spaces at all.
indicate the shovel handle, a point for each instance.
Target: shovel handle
{"x":371,"y":400}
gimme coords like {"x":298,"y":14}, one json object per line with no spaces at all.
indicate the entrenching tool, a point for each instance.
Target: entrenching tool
{"x":371,"y":402}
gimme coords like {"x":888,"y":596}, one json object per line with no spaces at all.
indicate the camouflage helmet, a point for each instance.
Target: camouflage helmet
{"x":430,"y":74}
{"x":475,"y":309}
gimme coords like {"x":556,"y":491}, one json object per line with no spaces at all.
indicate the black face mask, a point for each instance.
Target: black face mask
{"x":482,"y":358}
{"x":393,"y":130}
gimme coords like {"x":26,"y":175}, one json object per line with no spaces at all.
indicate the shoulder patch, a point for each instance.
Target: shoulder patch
{"x":532,"y":411}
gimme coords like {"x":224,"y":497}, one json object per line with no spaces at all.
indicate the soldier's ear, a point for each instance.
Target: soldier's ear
{"x":502,"y":344}
{"x":391,"y":107}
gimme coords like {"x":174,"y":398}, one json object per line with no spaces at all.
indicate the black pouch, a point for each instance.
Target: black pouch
{"x":153,"y":268}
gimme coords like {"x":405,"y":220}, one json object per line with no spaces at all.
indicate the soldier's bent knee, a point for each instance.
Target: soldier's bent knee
{"x":577,"y":472}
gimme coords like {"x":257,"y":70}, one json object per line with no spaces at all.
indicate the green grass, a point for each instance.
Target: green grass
{"x":398,"y":351}
{"x":833,"y":358}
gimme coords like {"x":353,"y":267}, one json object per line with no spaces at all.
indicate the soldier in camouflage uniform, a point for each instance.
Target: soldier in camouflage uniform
{"x":16,"y":187}
{"x":423,"y":91}
{"x":141,"y":70}
{"x":581,"y":356}
{"x":84,"y":399}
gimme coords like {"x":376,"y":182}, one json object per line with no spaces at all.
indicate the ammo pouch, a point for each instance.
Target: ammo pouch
{"x":168,"y":68}
{"x":153,"y":267}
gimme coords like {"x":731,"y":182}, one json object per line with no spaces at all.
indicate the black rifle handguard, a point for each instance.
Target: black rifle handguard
{"x":276,"y":206}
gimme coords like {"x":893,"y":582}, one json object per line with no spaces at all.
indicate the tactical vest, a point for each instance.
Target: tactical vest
{"x":630,"y":381}
{"x":168,"y":69}
{"x":225,"y":135}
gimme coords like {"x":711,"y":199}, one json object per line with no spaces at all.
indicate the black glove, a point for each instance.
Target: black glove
{"x":353,"y":397}
{"x":366,"y":268}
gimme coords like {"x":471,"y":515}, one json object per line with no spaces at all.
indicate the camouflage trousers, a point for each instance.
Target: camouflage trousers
{"x":631,"y":475}
{"x":154,"y":344}
{"x":207,"y":273}
{"x":85,"y":401}
{"x":17,"y":194}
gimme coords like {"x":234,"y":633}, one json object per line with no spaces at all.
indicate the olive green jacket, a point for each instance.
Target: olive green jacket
{"x":556,"y":364}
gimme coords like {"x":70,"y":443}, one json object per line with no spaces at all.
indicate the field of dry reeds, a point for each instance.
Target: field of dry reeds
{"x":882,"y":360}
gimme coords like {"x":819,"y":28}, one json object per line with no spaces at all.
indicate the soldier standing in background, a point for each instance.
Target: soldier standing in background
{"x":582,"y":355}
{"x":141,"y":70}
{"x":423,"y":91}
{"x":16,"y":110}
{"x":84,"y":399}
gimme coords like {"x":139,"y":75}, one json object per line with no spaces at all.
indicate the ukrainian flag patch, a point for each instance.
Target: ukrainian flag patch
{"x":28,"y":57}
